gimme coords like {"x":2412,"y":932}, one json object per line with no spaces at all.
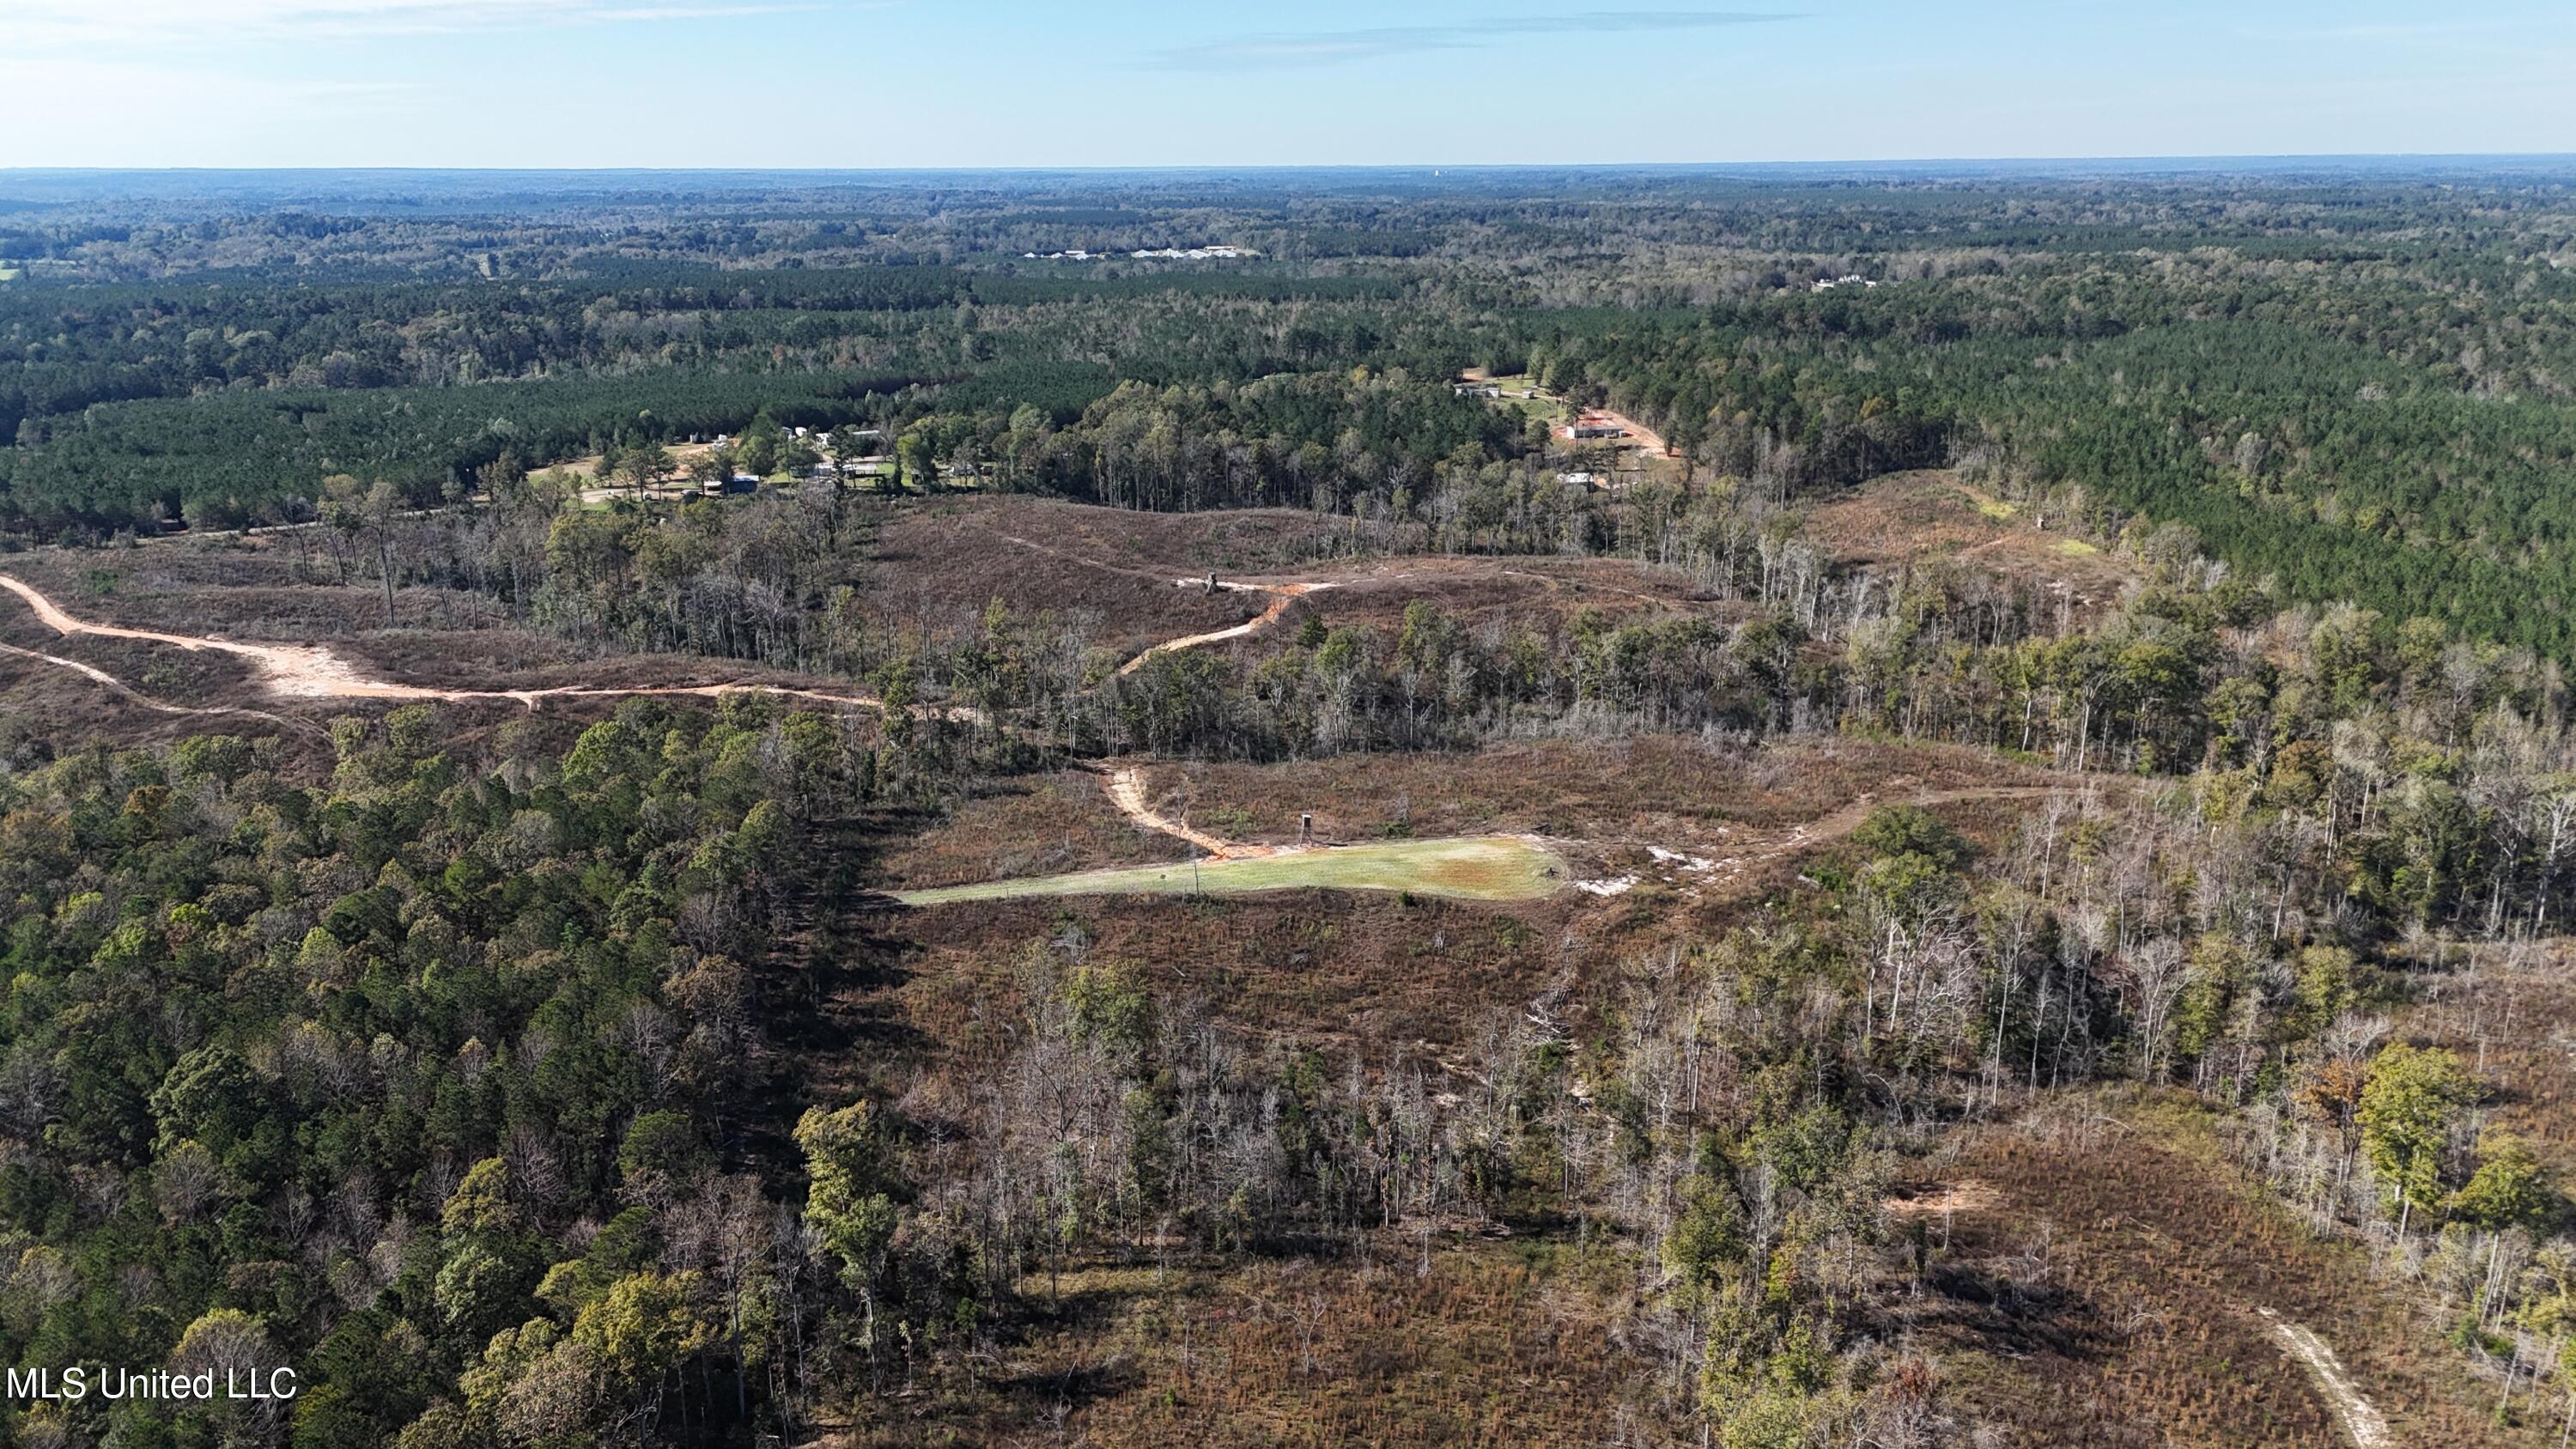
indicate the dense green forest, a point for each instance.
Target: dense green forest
{"x":363,"y":1051}
{"x":2320,"y":372}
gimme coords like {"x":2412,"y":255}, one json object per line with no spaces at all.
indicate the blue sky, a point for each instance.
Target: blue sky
{"x":936,"y":83}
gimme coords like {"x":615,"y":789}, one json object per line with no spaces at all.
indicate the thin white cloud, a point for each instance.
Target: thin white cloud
{"x":1282,"y":51}
{"x":73,"y":25}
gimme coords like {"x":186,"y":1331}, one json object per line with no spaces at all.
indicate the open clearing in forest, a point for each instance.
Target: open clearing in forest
{"x":1935,"y":519}
{"x":1484,"y":854}
{"x":1487,"y":868}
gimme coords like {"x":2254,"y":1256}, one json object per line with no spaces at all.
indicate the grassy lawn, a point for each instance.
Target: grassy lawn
{"x":1488,"y":868}
{"x":1546,"y":409}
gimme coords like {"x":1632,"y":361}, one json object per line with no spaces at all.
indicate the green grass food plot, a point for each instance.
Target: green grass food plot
{"x":1487,"y":868}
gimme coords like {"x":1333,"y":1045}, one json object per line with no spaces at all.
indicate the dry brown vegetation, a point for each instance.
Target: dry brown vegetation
{"x":1473,"y":1343}
{"x":938,"y":565}
{"x":462,"y":642}
{"x":1023,"y":826}
{"x":2114,"y":1295}
{"x":2101,"y":1283}
{"x":1926,"y":519}
{"x":2510,"y":1012}
{"x":941,"y":562}
{"x":1238,"y":541}
{"x":1314,"y":967}
{"x":251,"y":588}
{"x":1677,"y":792}
{"x":1537,"y":593}
{"x":61,"y":708}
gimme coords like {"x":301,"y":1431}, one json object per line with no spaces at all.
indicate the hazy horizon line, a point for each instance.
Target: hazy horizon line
{"x":2142,"y":158}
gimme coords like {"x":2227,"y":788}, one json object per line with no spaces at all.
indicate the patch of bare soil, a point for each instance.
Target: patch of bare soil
{"x":1945,"y":1199}
{"x":1647,"y":439}
{"x":1920,"y":520}
{"x":587,"y":467}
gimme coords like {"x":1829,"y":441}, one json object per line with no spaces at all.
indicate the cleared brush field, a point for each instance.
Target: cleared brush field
{"x":1490,"y":868}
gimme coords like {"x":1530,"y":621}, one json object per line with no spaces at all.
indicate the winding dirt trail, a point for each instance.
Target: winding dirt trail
{"x":1126,"y":787}
{"x":1796,"y":840}
{"x":308,"y":671}
{"x":2361,"y":1421}
{"x":312,"y":672}
{"x":1282,"y":595}
{"x":297,"y":671}
{"x":145,"y":700}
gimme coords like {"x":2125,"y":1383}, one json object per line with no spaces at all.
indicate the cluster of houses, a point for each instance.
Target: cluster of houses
{"x":1159,"y":254}
{"x":1581,"y":427}
{"x":1829,"y":285}
{"x":742,"y":482}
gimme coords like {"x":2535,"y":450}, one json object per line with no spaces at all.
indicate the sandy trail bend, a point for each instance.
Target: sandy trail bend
{"x":138,"y":696}
{"x":308,"y":671}
{"x":1126,"y":788}
{"x":294,"y":670}
{"x":2361,"y":1423}
{"x":1281,"y":596}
